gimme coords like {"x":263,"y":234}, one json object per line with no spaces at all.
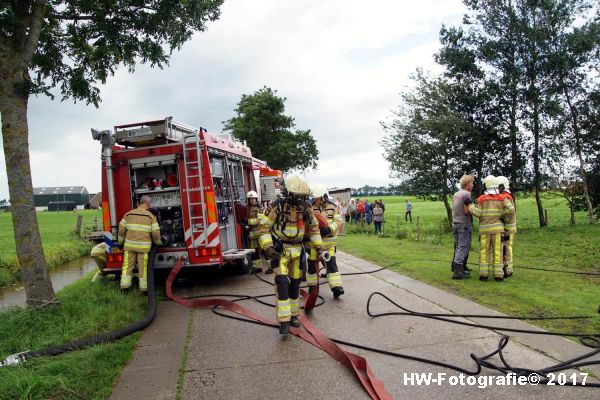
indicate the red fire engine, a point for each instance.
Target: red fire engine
{"x":197,"y":182}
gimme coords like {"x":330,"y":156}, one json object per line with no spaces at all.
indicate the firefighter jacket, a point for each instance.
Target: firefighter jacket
{"x":490,"y":210}
{"x":289,"y":222}
{"x":510,"y":220}
{"x":331,"y":212}
{"x":137,"y":230}
{"x":254,"y":220}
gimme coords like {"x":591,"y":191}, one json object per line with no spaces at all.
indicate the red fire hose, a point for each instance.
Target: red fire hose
{"x":310,"y":333}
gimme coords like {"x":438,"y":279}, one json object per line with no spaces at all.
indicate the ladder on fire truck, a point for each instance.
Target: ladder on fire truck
{"x":192,"y":159}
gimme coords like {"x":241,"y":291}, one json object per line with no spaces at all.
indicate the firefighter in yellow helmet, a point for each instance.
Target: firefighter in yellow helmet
{"x":137,"y":230}
{"x":330,"y":222}
{"x":490,"y":209}
{"x":283,"y":229}
{"x":253,"y":223}
{"x":510,"y":227}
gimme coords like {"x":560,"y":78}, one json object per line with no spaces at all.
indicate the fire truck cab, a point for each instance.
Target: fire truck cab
{"x":197,"y":182}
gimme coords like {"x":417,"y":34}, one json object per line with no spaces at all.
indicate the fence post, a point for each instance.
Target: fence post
{"x":440,"y":232}
{"x":418,"y":228}
{"x":78,"y":225}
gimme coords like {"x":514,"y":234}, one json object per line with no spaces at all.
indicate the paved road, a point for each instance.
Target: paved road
{"x":228,"y":359}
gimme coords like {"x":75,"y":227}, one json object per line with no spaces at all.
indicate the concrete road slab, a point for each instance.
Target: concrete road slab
{"x":229,"y":359}
{"x":153,"y":371}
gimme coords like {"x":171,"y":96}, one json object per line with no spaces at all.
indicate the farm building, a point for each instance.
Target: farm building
{"x":96,"y":200}
{"x":342,"y":193}
{"x":44,"y":195}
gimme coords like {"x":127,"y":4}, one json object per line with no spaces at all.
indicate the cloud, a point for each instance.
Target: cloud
{"x":341,"y":64}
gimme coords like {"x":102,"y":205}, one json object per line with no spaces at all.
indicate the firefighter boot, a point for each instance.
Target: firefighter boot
{"x":337,"y":291}
{"x":458,"y":272}
{"x":295,"y":322}
{"x":284,"y":328}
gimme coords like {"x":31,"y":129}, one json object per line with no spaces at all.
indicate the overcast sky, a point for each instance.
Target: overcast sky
{"x":340,"y":63}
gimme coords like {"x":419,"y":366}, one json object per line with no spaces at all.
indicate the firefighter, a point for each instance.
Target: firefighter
{"x":510,"y":228}
{"x":137,"y":230}
{"x":288,"y":221}
{"x":490,"y":209}
{"x":98,"y":254}
{"x":330,"y":222}
{"x":253,"y":223}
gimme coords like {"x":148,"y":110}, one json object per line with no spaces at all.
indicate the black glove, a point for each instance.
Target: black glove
{"x":467,"y":201}
{"x":272,"y":253}
{"x":325,"y":231}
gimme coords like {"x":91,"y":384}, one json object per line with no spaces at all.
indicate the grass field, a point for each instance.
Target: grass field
{"x":60,"y":244}
{"x":425,"y":257}
{"x":85,"y":309}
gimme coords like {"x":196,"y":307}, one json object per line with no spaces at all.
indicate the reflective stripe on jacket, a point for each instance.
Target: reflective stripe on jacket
{"x":138,"y":229}
{"x":286,"y":222}
{"x":254,"y":221}
{"x":490,"y":210}
{"x":334,"y":221}
{"x":510,"y":220}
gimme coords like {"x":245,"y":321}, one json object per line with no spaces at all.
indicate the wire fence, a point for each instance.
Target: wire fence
{"x":436,"y":230}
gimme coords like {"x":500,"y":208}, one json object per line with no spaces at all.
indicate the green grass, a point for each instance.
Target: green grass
{"x":85,"y":309}
{"x":528,"y":292}
{"x":60,"y":244}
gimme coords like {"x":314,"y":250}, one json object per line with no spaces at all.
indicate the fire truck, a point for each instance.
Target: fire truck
{"x":197,"y":182}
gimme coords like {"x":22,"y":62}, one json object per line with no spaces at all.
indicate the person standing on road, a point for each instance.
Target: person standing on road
{"x":408,"y":213}
{"x":330,"y":222}
{"x":462,"y":226}
{"x":284,"y":227}
{"x":253,"y":226}
{"x":137,"y":230}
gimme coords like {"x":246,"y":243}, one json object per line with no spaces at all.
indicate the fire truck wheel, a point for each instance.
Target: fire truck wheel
{"x":244,"y":264}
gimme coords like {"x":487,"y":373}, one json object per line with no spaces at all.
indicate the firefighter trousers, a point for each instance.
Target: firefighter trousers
{"x":490,"y":255}
{"x":507,"y":252}
{"x":288,"y":274}
{"x":257,"y":259}
{"x":334,"y":278}
{"x":130,"y":260}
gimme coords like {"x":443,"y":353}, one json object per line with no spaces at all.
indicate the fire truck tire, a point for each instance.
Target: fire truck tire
{"x":244,"y":265}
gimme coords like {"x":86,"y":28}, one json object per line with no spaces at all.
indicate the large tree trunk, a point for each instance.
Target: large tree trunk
{"x":13,"y":109}
{"x":515,"y":159}
{"x":535,"y":99}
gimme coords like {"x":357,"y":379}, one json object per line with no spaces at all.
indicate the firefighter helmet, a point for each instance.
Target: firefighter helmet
{"x":296,"y":185}
{"x":490,"y":182}
{"x":319,"y":190}
{"x":252,"y":195}
{"x":503,"y":183}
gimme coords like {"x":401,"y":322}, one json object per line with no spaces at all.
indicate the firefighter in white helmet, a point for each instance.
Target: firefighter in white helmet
{"x":283,"y":229}
{"x":490,"y":209}
{"x":253,"y":226}
{"x":330,"y":222}
{"x":510,"y":227}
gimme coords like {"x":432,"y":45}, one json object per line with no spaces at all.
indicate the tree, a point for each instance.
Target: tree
{"x":71,"y":45}
{"x":575,"y":53}
{"x":425,"y":140}
{"x":261,"y":122}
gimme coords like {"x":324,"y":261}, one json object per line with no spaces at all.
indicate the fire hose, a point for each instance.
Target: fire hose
{"x":101,"y":338}
{"x":356,"y":363}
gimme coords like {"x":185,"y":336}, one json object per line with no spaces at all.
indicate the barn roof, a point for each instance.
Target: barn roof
{"x":58,"y":190}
